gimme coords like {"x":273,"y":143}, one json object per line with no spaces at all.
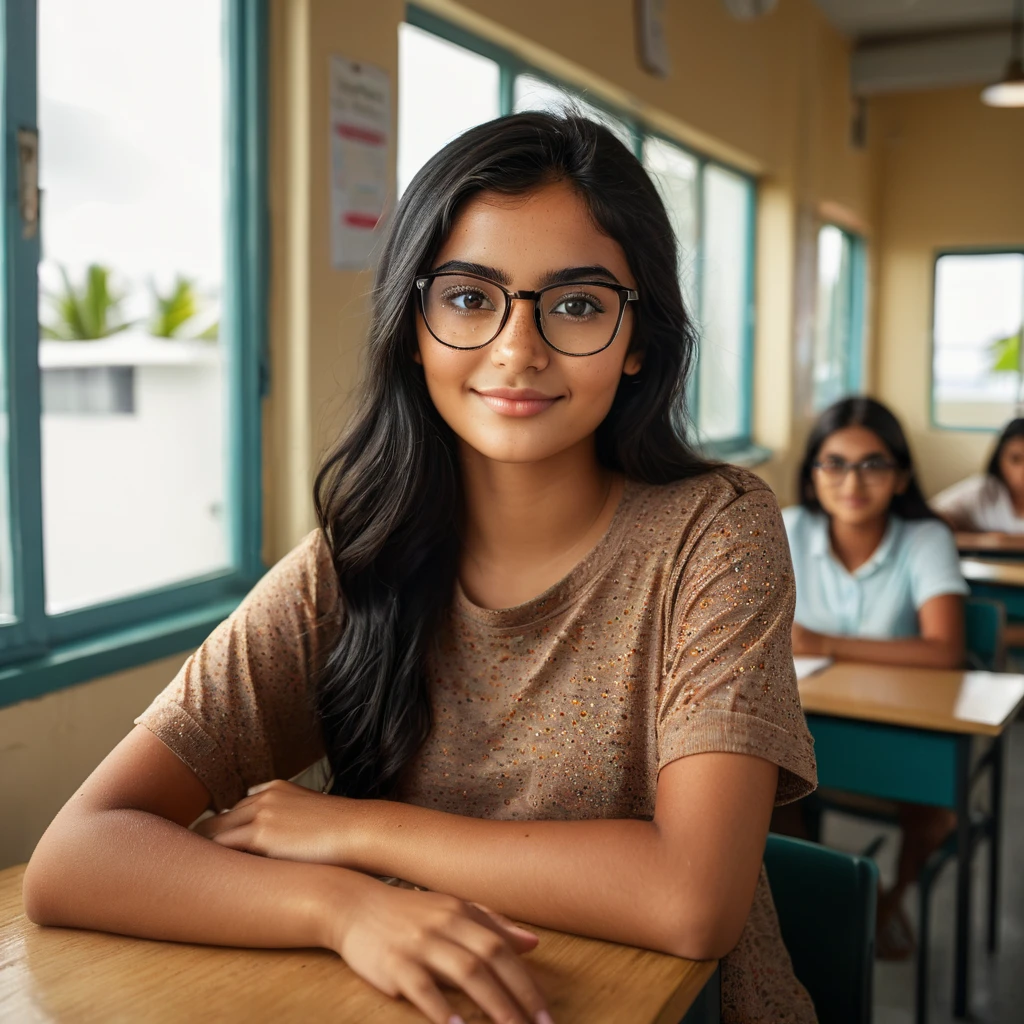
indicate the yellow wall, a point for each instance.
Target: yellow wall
{"x":954,"y":176}
{"x":768,"y":95}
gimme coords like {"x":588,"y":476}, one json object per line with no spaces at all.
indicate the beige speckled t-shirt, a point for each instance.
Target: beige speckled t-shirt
{"x":672,"y":637}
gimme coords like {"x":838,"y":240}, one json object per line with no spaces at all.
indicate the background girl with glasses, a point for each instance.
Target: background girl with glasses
{"x":877,"y":579}
{"x":543,"y":645}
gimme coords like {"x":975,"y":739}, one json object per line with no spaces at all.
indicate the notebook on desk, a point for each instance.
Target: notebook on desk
{"x":808,"y":666}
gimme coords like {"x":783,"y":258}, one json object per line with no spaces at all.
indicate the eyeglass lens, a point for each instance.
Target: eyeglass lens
{"x":467,"y":312}
{"x":871,"y":471}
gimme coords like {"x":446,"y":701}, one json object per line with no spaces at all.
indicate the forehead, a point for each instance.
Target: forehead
{"x":1014,"y":444}
{"x":854,"y":443}
{"x":546,"y":229}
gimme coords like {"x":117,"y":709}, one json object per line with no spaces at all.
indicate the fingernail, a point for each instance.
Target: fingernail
{"x":455,"y":1019}
{"x":543,"y":1017}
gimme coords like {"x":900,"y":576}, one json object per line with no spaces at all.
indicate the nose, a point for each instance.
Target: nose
{"x":852,"y":482}
{"x":519,"y":346}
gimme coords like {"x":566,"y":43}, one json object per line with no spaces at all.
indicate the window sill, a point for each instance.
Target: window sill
{"x":747,"y":454}
{"x":115,"y":651}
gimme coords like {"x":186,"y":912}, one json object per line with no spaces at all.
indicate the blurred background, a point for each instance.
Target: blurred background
{"x":185,"y":298}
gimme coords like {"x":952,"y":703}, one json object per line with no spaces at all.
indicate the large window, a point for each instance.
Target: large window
{"x":711,"y":206}
{"x":978,"y":319}
{"x":132,"y":318}
{"x":839,"y":316}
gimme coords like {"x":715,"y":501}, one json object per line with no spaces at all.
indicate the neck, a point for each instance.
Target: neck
{"x":531,"y":512}
{"x":855,"y":543}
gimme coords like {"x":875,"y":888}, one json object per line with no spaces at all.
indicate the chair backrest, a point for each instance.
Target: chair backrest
{"x":826,"y":905}
{"x":985,"y":625}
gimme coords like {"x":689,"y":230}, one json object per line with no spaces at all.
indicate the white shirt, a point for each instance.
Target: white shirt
{"x":915,"y":561}
{"x":981,"y":503}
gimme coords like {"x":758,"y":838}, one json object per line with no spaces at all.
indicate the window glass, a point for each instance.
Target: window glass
{"x":833,"y":324}
{"x":134,"y":445}
{"x":979,"y":312}
{"x":675,"y":173}
{"x":722,"y":370}
{"x":443,"y":89}
{"x":533,"y":93}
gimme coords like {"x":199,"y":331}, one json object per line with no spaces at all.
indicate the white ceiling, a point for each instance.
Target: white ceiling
{"x":861,"y":18}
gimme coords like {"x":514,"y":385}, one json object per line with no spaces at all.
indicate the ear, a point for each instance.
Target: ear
{"x":416,"y":357}
{"x":902,"y":483}
{"x":633,"y":364}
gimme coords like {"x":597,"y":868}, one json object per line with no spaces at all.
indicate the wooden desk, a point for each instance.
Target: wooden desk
{"x":62,"y":975}
{"x":991,"y":543}
{"x":906,"y":734}
{"x":993,"y":572}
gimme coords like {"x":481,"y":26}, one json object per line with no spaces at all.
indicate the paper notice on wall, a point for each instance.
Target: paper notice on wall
{"x":360,"y":111}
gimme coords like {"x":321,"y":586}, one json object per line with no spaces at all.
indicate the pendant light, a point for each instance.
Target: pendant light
{"x":1010,"y":91}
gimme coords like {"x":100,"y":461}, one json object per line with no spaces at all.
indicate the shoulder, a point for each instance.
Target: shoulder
{"x":305,"y":575}
{"x":928,"y":543}
{"x":969,"y":489}
{"x":705,"y":494}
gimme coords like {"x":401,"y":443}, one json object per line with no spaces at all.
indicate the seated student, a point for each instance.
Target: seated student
{"x":544,"y":645}
{"x":992,"y":502}
{"x":877,"y":579}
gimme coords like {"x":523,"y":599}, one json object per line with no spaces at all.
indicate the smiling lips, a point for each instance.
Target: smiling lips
{"x":516,"y":401}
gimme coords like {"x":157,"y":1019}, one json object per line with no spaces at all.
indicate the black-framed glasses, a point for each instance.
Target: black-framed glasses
{"x":872,"y":470}
{"x":577,"y":319}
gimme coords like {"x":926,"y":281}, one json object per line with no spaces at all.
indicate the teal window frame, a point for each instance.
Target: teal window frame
{"x":990,"y":250}
{"x":40,"y":651}
{"x":847,"y":336}
{"x":510,"y":66}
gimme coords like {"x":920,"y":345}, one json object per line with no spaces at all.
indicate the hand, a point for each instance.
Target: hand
{"x":287,"y":822}
{"x":409,"y":943}
{"x":807,"y":642}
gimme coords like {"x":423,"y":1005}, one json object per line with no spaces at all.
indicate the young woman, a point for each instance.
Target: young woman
{"x":544,"y":647}
{"x":877,"y":579}
{"x":994,"y":501}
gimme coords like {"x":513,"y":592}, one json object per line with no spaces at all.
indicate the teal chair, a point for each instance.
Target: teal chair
{"x":985,"y":627}
{"x":826,"y":905}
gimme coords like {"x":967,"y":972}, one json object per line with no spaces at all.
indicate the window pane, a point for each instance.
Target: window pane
{"x":443,"y":89}
{"x":133,"y":433}
{"x":675,"y":173}
{"x":722,"y":370}
{"x":533,"y":93}
{"x":6,"y":562}
{"x":979,"y":309}
{"x":832,"y":325}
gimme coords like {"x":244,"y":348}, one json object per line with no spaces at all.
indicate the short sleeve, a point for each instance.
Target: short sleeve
{"x":960,"y":502}
{"x":729,"y":683}
{"x":240,"y":710}
{"x":934,"y":563}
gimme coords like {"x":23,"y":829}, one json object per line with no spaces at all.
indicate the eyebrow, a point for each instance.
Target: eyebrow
{"x":566,"y":275}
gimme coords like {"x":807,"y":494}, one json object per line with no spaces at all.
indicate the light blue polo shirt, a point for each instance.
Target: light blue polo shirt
{"x":916,"y":561}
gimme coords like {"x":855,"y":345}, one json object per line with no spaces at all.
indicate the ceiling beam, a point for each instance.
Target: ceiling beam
{"x":930,"y":62}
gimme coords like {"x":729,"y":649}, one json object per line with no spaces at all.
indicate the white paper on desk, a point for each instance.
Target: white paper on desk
{"x":808,"y":666}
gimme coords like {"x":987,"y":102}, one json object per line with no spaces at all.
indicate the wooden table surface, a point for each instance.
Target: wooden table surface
{"x":979,"y":703}
{"x":987,"y":570}
{"x":1008,"y":543}
{"x":55,"y":974}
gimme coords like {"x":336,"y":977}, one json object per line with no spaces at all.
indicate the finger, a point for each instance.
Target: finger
{"x":466,"y":970}
{"x":225,"y":821}
{"x":421,"y":990}
{"x":243,"y":838}
{"x":522,"y":939}
{"x":506,"y":965}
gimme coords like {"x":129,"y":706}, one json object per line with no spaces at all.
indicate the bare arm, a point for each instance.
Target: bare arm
{"x":940,"y":645}
{"x":119,"y":857}
{"x":682,"y":883}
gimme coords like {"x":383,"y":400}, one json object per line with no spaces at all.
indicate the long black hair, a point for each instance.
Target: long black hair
{"x":1015,"y":428}
{"x":389,"y":497}
{"x":872,"y":415}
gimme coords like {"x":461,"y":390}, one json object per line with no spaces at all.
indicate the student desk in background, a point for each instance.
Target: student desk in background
{"x":920,"y":736}
{"x":61,"y":975}
{"x":1000,"y":580}
{"x":1002,"y":545}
